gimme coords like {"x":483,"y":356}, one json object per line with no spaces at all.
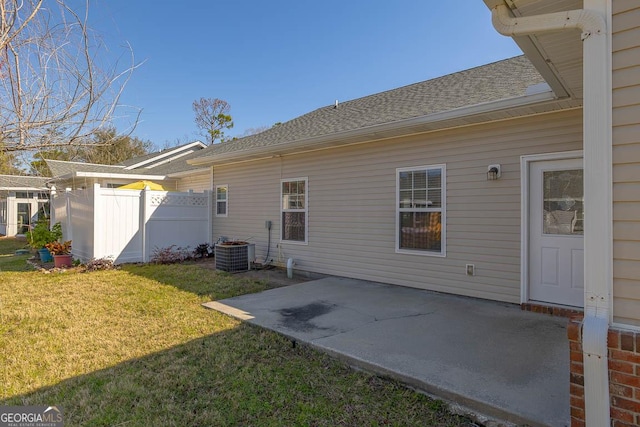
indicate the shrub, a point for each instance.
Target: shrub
{"x":59,"y":248}
{"x":170,"y":255}
{"x":41,"y":234}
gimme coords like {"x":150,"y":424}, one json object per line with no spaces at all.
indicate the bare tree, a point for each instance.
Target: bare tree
{"x":212,"y":117}
{"x":56,"y":88}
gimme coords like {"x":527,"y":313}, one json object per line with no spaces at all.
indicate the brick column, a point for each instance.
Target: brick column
{"x":624,"y":375}
{"x":576,"y":371}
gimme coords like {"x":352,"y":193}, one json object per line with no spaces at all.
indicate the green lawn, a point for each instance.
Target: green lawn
{"x":9,"y":262}
{"x":134,"y":347}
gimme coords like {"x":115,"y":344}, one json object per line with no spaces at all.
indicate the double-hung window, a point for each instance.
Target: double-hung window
{"x":420,"y":204}
{"x":293,"y":193}
{"x":222,"y":199}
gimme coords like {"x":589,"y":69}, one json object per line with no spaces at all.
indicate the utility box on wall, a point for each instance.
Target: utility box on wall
{"x":234,"y":257}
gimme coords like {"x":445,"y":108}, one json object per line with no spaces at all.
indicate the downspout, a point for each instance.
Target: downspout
{"x":598,"y":255}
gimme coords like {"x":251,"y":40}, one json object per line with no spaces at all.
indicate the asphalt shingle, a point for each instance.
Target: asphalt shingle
{"x":62,"y":168}
{"x":500,"y":80}
{"x":16,"y":181}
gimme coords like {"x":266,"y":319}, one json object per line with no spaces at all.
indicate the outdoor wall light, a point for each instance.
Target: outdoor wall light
{"x":493,"y":172}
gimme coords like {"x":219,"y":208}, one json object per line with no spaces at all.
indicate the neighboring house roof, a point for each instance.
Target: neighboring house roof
{"x":159,"y":158}
{"x":62,"y":168}
{"x":156,"y":165}
{"x":179,"y":166}
{"x":556,"y":55}
{"x":16,"y":182}
{"x":509,"y":79}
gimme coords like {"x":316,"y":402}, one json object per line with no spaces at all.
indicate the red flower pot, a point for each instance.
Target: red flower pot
{"x":60,"y":261}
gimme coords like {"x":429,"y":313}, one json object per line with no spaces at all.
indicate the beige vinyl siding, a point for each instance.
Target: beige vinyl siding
{"x":626,"y":162}
{"x":352,"y":205}
{"x":198,"y":183}
{"x":253,"y":198}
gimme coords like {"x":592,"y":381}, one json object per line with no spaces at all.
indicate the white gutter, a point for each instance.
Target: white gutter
{"x":24,"y":189}
{"x":585,"y":20}
{"x":598,"y":253}
{"x":105,"y":175}
{"x":114,"y":176}
{"x":371,"y":133}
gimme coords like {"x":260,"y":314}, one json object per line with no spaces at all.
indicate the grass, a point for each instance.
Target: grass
{"x":10,"y":262}
{"x":134,"y":347}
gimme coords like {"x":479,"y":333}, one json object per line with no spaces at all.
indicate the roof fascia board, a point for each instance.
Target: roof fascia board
{"x":167,"y":154}
{"x":114,"y":176}
{"x":25,"y":177}
{"x":24,"y":189}
{"x":85,"y":164}
{"x":373,"y":131}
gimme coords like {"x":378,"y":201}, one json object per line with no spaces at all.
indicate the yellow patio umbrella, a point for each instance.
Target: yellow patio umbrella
{"x":141,"y":185}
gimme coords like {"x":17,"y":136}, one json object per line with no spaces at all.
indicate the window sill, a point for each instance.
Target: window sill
{"x":294,"y":242}
{"x":442,"y":254}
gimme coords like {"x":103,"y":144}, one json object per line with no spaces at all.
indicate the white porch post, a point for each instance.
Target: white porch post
{"x":598,"y":233}
{"x":210,"y":204}
{"x":99,"y":247}
{"x":52,"y":209}
{"x":595,"y":23}
{"x":69,"y":224}
{"x":143,"y":223}
{"x":12,"y":214}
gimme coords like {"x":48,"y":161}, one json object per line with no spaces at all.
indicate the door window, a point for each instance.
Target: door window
{"x":563,"y":202}
{"x":24,"y":217}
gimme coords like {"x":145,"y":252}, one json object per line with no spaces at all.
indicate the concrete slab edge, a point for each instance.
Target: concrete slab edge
{"x":486,"y":414}
{"x":480,"y":412}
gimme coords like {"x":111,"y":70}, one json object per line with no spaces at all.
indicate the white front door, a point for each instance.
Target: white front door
{"x":556,"y":228}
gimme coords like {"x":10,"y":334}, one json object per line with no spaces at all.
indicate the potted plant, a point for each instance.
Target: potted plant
{"x":41,"y":235}
{"x":61,"y":252}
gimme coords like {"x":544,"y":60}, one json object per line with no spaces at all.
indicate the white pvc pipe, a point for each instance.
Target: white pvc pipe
{"x":290,"y":263}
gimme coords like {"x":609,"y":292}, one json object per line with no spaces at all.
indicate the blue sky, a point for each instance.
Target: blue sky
{"x":275,"y":60}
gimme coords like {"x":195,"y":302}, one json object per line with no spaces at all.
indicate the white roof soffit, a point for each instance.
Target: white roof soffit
{"x":170,"y":154}
{"x":473,"y":114}
{"x":547,"y":51}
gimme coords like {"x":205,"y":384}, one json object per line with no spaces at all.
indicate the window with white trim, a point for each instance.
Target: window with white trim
{"x":421,"y":210}
{"x":294,"y":210}
{"x":222,"y":200}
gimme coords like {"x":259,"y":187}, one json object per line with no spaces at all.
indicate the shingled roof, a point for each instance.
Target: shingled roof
{"x":62,"y":168}
{"x":176,"y":165}
{"x":500,"y":80}
{"x":22,"y":182}
{"x":159,"y":158}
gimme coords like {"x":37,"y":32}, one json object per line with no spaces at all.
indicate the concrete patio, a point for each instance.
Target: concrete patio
{"x":490,"y":357}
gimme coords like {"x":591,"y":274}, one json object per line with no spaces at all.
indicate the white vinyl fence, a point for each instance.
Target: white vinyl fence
{"x":128,"y":225}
